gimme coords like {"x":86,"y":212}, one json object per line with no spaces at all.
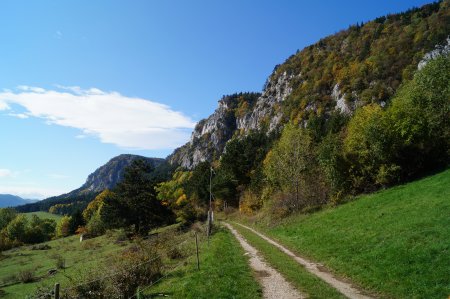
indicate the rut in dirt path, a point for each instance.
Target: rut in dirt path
{"x":273,"y":284}
{"x":343,"y":287}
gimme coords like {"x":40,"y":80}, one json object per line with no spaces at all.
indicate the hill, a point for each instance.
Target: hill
{"x":8,"y":200}
{"x":363,"y":64}
{"x":394,"y":242}
{"x":104,"y":177}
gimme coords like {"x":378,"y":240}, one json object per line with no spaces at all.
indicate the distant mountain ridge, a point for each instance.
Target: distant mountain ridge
{"x":104,"y":177}
{"x":9,"y":200}
{"x":108,"y":175}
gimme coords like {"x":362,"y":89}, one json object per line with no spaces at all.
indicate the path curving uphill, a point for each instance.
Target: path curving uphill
{"x":343,"y":287}
{"x":274,"y":285}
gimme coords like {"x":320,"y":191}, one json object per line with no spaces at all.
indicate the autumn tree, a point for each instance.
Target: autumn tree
{"x":291,"y":167}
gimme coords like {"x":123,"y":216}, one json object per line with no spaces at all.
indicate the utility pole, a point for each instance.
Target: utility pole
{"x":210,"y":211}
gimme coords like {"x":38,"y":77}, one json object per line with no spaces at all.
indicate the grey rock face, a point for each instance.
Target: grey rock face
{"x":341,"y":104}
{"x":274,"y":93}
{"x":211,"y":135}
{"x":108,"y":175}
{"x":439,"y":50}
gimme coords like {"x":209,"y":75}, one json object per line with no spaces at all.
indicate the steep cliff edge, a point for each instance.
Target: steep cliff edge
{"x":361,"y":65}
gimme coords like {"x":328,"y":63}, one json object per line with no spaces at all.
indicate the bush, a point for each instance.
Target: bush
{"x":26,"y":276}
{"x":95,"y":226}
{"x":135,"y":267}
{"x":60,"y":261}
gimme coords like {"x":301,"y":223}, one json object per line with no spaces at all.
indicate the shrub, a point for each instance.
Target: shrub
{"x":60,"y":261}
{"x":26,"y":276}
{"x":135,"y":267}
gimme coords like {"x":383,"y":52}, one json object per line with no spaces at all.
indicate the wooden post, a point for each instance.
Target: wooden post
{"x":56,"y":290}
{"x":196,"y":245}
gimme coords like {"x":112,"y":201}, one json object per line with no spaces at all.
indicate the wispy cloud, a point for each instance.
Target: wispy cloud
{"x":58,"y":176}
{"x":18,"y":115}
{"x":127,"y":122}
{"x":5,"y":173}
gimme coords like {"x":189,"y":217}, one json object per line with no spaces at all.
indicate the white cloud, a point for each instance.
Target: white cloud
{"x":127,"y":122}
{"x":3,"y":106}
{"x":19,"y":115}
{"x":30,"y":88}
{"x":58,"y":176}
{"x":4,"y":173}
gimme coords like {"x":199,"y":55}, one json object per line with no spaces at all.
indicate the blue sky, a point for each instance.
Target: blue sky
{"x":84,"y":81}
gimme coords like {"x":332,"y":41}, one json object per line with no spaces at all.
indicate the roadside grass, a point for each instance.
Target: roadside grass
{"x":44,"y":215}
{"x":224,"y":272}
{"x":395,"y":242}
{"x":77,"y":258}
{"x":304,"y":281}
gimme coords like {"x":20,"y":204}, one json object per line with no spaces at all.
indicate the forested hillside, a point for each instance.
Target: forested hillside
{"x":352,"y":113}
{"x":363,"y":64}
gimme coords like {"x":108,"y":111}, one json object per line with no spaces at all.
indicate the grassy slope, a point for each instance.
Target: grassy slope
{"x":77,"y":256}
{"x":44,"y":215}
{"x":395,"y":242}
{"x":224,"y":273}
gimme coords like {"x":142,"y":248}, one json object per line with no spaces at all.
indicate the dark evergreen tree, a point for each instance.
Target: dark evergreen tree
{"x":136,"y":203}
{"x":76,"y":220}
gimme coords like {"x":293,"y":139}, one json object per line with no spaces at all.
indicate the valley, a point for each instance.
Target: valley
{"x":331,"y":182}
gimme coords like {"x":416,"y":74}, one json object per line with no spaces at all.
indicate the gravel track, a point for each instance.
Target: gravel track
{"x":343,"y":287}
{"x":273,"y":284}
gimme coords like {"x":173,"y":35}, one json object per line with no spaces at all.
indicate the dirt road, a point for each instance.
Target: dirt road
{"x":342,"y":286}
{"x":273,"y":284}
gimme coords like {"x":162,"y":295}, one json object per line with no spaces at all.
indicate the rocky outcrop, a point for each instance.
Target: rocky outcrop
{"x":339,"y":73}
{"x":442,"y":49}
{"x":210,"y":135}
{"x":341,"y":104}
{"x":262,"y":112}
{"x":266,"y":113}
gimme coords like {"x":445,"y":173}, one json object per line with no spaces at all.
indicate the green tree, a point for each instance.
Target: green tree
{"x":6,"y":215}
{"x":16,"y":229}
{"x":290,"y":166}
{"x":419,"y":119}
{"x":173,"y":195}
{"x":95,"y":225}
{"x":40,"y":230}
{"x":76,"y":221}
{"x":136,"y":194}
{"x":366,"y":146}
{"x":94,"y":205}
{"x":63,"y":227}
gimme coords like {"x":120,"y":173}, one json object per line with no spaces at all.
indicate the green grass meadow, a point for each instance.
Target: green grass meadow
{"x":44,"y":215}
{"x":224,"y":273}
{"x":77,"y":257}
{"x":395,"y":243}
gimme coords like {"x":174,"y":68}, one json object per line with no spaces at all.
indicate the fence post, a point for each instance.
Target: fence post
{"x":56,"y":290}
{"x":196,"y":245}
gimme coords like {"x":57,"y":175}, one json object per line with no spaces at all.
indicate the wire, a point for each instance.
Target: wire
{"x":159,"y":279}
{"x":121,"y":271}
